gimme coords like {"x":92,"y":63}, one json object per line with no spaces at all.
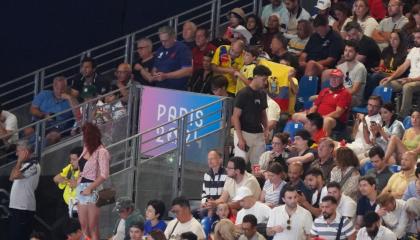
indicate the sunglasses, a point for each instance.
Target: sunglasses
{"x":289,"y":226}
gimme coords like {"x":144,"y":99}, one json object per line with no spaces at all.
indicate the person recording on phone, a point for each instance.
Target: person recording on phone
{"x":362,"y":133}
{"x":250,"y":118}
{"x":25,"y":176}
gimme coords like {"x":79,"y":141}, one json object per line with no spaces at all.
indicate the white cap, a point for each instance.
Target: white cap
{"x":323,"y":4}
{"x":241,"y":193}
{"x":244,"y":32}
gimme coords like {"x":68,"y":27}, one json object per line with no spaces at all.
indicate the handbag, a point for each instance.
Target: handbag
{"x":106,"y":195}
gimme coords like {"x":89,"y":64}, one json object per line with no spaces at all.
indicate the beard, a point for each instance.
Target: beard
{"x":372,"y":233}
{"x":326,"y":215}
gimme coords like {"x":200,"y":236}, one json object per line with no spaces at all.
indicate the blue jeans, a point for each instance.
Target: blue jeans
{"x":82,"y":199}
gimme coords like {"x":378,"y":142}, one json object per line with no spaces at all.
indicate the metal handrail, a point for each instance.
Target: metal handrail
{"x":212,"y":8}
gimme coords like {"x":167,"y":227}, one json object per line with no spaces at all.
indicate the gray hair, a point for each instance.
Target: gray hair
{"x":25,"y":144}
{"x":168,"y":30}
{"x":413,"y":205}
{"x":146,"y":40}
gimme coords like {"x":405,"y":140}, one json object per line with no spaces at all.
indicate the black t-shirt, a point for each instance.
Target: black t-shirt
{"x":200,"y":84}
{"x":148,"y":66}
{"x":102,"y":85}
{"x":319,"y":48}
{"x":364,"y":206}
{"x":369,"y":48}
{"x":252,"y":103}
{"x":294,"y":62}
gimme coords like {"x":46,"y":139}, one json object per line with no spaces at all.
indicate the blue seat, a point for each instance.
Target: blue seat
{"x":366,"y":167}
{"x":384,"y":92}
{"x":395,"y":168}
{"x":308,"y":86}
{"x":407,"y":122}
{"x":292,"y":127}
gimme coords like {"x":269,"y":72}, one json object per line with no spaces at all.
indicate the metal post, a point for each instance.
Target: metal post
{"x":129,"y":112}
{"x":212,"y":20}
{"x":182,"y":129}
{"x":255,"y":6}
{"x":218,"y":8}
{"x":41,"y":81}
{"x":133,"y":42}
{"x":36,"y":83}
{"x":176,"y":26}
{"x":260,"y":2}
{"x":127,"y":49}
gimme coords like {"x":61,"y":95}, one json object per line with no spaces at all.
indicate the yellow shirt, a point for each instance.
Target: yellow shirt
{"x":398,"y":183}
{"x":222,"y":58}
{"x":68,"y":191}
{"x":247,"y":72}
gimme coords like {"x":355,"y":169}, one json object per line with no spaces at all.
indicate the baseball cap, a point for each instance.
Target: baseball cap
{"x":336,"y":73}
{"x":242,"y":31}
{"x":323,"y":4}
{"x":123,"y":203}
{"x":88,"y":91}
{"x":242,"y":193}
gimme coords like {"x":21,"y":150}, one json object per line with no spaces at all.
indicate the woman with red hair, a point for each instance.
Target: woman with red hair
{"x":94,"y":168}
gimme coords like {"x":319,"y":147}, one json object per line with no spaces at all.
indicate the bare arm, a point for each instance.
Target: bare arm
{"x":356,"y":87}
{"x":327,"y":62}
{"x":236,"y":122}
{"x":183,"y":72}
{"x":302,"y":59}
{"x":222,"y":70}
{"x":380,"y":36}
{"x":337,"y":113}
{"x":36,"y":112}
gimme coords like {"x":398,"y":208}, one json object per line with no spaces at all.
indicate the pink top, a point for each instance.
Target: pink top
{"x":99,"y":158}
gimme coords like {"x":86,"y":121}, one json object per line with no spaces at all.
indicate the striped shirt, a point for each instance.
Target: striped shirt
{"x":272,"y":195}
{"x":213,"y":184}
{"x":327,"y":231}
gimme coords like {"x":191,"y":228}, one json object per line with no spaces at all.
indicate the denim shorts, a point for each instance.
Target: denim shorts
{"x":82,"y":199}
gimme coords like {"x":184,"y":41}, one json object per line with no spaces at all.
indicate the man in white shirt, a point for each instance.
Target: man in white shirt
{"x":237,"y":177}
{"x":361,"y":130}
{"x":250,"y":205}
{"x":274,"y":7}
{"x":8,"y":125}
{"x":184,"y":221}
{"x":411,"y":84}
{"x":25,"y":176}
{"x":394,"y":22}
{"x":393,"y":213}
{"x":289,"y":221}
{"x":290,"y":16}
{"x":373,"y":229}
{"x":346,"y":206}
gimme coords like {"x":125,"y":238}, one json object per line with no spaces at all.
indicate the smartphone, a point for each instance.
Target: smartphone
{"x":246,"y":147}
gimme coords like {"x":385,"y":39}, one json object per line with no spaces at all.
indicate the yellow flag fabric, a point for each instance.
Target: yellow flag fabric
{"x":222,"y":58}
{"x":279,"y":76}
{"x":247,"y":72}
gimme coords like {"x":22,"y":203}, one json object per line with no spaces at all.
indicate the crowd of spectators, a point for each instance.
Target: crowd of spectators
{"x":345,"y":175}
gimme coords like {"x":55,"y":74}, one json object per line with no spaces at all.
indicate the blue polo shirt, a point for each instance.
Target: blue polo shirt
{"x":364,"y":206}
{"x":48,"y":103}
{"x":172,"y":59}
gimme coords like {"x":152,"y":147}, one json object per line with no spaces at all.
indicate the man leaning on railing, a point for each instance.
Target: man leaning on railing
{"x":47,"y":103}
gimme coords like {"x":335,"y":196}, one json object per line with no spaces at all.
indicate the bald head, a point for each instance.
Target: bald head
{"x":237,"y":48}
{"x":408,"y":161}
{"x":123,"y":73}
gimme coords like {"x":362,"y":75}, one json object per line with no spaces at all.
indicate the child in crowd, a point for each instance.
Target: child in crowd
{"x":244,"y":76}
{"x":111,"y":108}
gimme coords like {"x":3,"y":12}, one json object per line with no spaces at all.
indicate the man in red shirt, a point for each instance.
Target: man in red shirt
{"x":332,"y":103}
{"x":202,"y":47}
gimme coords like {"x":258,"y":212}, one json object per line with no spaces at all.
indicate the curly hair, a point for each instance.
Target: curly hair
{"x":345,"y":157}
{"x":91,"y":137}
